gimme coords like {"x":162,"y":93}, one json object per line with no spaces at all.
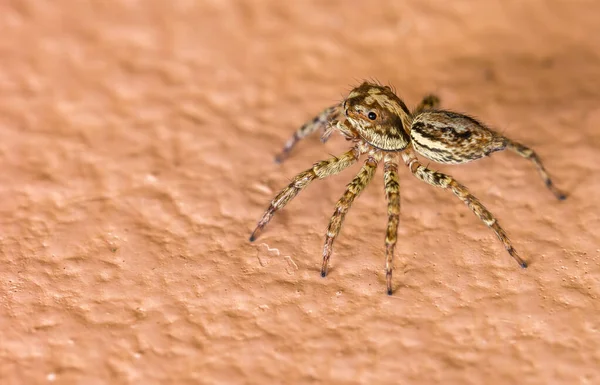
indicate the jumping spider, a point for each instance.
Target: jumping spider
{"x":381,"y":126}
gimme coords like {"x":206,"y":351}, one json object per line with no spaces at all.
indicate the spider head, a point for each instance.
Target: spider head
{"x":379,"y":116}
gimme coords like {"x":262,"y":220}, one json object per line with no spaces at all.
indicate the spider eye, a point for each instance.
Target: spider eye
{"x":372,"y":115}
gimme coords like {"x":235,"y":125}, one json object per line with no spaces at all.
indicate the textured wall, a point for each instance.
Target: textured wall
{"x":136,"y":154}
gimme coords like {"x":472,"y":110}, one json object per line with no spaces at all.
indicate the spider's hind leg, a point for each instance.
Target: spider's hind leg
{"x":444,"y":181}
{"x":528,"y":153}
{"x":321,"y":121}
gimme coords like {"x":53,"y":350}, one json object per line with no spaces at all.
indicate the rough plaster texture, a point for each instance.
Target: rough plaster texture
{"x":136,"y":154}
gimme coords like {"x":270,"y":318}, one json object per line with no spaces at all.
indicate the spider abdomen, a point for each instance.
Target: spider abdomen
{"x":452,"y":138}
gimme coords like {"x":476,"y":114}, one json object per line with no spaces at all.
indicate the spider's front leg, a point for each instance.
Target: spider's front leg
{"x":321,"y":121}
{"x":354,"y":188}
{"x":320,"y":170}
{"x":444,"y":181}
{"x":392,"y":193}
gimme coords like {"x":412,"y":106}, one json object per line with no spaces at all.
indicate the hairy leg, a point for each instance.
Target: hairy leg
{"x":528,"y":153}
{"x":319,"y":170}
{"x":447,"y":182}
{"x":320,"y":121}
{"x":353,"y":189}
{"x":429,"y":102}
{"x":392,"y":192}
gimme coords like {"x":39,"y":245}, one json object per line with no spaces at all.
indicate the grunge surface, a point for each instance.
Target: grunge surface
{"x":136,"y":155}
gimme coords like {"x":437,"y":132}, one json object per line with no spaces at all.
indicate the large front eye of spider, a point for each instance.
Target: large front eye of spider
{"x":372,"y":115}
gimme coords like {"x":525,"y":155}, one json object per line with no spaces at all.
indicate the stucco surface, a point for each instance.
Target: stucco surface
{"x":136,"y":155}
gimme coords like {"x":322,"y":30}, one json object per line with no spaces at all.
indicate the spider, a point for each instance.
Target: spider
{"x":379,"y":124}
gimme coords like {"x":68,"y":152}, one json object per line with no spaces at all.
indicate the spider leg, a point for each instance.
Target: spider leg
{"x":528,"y":153}
{"x":319,"y":170}
{"x":447,"y":182}
{"x":392,"y":192}
{"x":429,"y":102}
{"x":354,"y":188}
{"x":320,"y":121}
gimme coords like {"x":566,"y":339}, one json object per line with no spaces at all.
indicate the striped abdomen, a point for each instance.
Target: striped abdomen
{"x":448,"y":137}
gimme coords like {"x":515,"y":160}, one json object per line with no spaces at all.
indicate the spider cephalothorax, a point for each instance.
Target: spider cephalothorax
{"x":379,"y":116}
{"x":381,"y":126}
